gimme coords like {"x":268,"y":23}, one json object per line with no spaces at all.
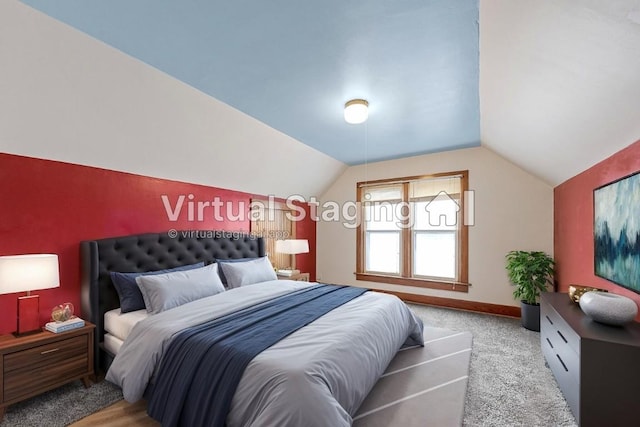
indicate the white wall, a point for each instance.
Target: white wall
{"x":66,"y":96}
{"x":561,"y":77}
{"x":513,"y":210}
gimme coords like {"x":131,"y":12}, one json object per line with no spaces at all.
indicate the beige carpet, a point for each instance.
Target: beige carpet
{"x":423,"y":386}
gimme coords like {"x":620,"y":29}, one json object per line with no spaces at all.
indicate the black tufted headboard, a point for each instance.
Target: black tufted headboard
{"x":149,"y":252}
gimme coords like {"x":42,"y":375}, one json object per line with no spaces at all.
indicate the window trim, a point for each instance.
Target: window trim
{"x":406,"y":267}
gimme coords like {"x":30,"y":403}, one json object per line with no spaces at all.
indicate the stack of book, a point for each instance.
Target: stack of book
{"x":287,"y":272}
{"x":67,"y":325}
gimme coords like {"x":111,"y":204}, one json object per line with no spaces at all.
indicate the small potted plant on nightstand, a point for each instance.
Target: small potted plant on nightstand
{"x":531,"y":272}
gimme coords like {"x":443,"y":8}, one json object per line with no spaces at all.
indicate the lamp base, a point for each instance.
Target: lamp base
{"x":28,"y":315}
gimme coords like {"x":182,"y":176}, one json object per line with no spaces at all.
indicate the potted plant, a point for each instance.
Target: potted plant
{"x":531,"y":272}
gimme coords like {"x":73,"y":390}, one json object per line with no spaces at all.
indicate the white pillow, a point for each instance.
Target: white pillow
{"x":248,"y":272}
{"x":164,"y":291}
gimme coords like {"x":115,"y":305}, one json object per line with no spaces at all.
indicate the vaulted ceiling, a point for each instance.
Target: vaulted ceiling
{"x":550,"y":84}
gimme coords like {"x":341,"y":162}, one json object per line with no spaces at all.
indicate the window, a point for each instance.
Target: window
{"x":413,"y":232}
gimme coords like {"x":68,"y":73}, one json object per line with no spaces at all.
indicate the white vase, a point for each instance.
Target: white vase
{"x":608,"y":308}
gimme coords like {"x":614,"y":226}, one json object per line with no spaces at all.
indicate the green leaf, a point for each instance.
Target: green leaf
{"x":531,"y":272}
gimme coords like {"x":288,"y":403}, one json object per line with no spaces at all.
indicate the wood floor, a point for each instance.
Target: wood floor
{"x":120,"y":414}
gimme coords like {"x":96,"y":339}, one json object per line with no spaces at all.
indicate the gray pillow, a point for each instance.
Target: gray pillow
{"x":221,"y":270}
{"x":164,"y":291}
{"x":248,"y":272}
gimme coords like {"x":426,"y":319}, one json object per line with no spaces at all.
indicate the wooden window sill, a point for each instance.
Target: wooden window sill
{"x":409,"y":281}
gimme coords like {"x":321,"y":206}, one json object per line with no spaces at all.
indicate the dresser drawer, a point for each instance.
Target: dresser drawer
{"x":568,"y":360}
{"x":555,"y":325}
{"x":566,"y":371}
{"x":561,"y":348}
{"x":549,"y":337}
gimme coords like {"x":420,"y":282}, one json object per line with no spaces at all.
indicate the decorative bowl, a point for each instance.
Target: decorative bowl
{"x":610,"y":309}
{"x":576,"y":291}
{"x":62,"y":312}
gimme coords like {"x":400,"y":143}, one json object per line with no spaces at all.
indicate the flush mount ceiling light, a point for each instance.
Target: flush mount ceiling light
{"x":356,"y":111}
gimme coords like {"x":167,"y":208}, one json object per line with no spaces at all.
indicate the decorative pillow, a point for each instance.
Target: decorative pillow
{"x":128,"y":291}
{"x":164,"y":291}
{"x":249,"y":272}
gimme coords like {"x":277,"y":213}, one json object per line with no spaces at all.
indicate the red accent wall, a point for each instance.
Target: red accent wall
{"x":49,"y":207}
{"x":573,"y":221}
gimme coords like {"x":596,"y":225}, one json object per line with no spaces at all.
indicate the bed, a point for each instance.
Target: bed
{"x":317,"y":375}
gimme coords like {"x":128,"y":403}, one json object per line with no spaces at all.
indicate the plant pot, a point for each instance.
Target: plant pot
{"x":530,"y":316}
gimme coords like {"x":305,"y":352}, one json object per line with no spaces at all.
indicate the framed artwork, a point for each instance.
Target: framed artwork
{"x":616,"y":231}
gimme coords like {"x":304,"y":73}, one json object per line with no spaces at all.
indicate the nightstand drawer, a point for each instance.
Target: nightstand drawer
{"x":30,"y":370}
{"x":18,"y":384}
{"x":44,"y":355}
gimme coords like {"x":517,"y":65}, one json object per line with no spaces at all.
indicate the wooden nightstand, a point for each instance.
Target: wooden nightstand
{"x":36,"y":363}
{"x":300,"y":277}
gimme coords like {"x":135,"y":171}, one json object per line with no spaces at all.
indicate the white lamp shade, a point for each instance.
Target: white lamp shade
{"x":356,"y":111}
{"x":20,"y":273}
{"x":292,"y":246}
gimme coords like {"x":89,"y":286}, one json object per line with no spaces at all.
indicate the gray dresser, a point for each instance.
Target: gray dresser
{"x":596,"y":366}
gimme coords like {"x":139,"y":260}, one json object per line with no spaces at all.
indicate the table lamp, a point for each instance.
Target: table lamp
{"x":292,"y":247}
{"x":26,"y":273}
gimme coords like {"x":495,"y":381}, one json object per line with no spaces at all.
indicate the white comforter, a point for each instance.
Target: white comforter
{"x":317,"y":376}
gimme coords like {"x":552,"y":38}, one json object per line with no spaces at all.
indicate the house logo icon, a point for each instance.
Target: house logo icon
{"x":443,"y":205}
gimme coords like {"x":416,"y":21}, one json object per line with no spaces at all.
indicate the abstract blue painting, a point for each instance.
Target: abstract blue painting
{"x":617,"y":231}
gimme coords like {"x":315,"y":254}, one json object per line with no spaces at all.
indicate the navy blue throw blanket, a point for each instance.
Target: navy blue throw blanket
{"x":202,"y":366}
